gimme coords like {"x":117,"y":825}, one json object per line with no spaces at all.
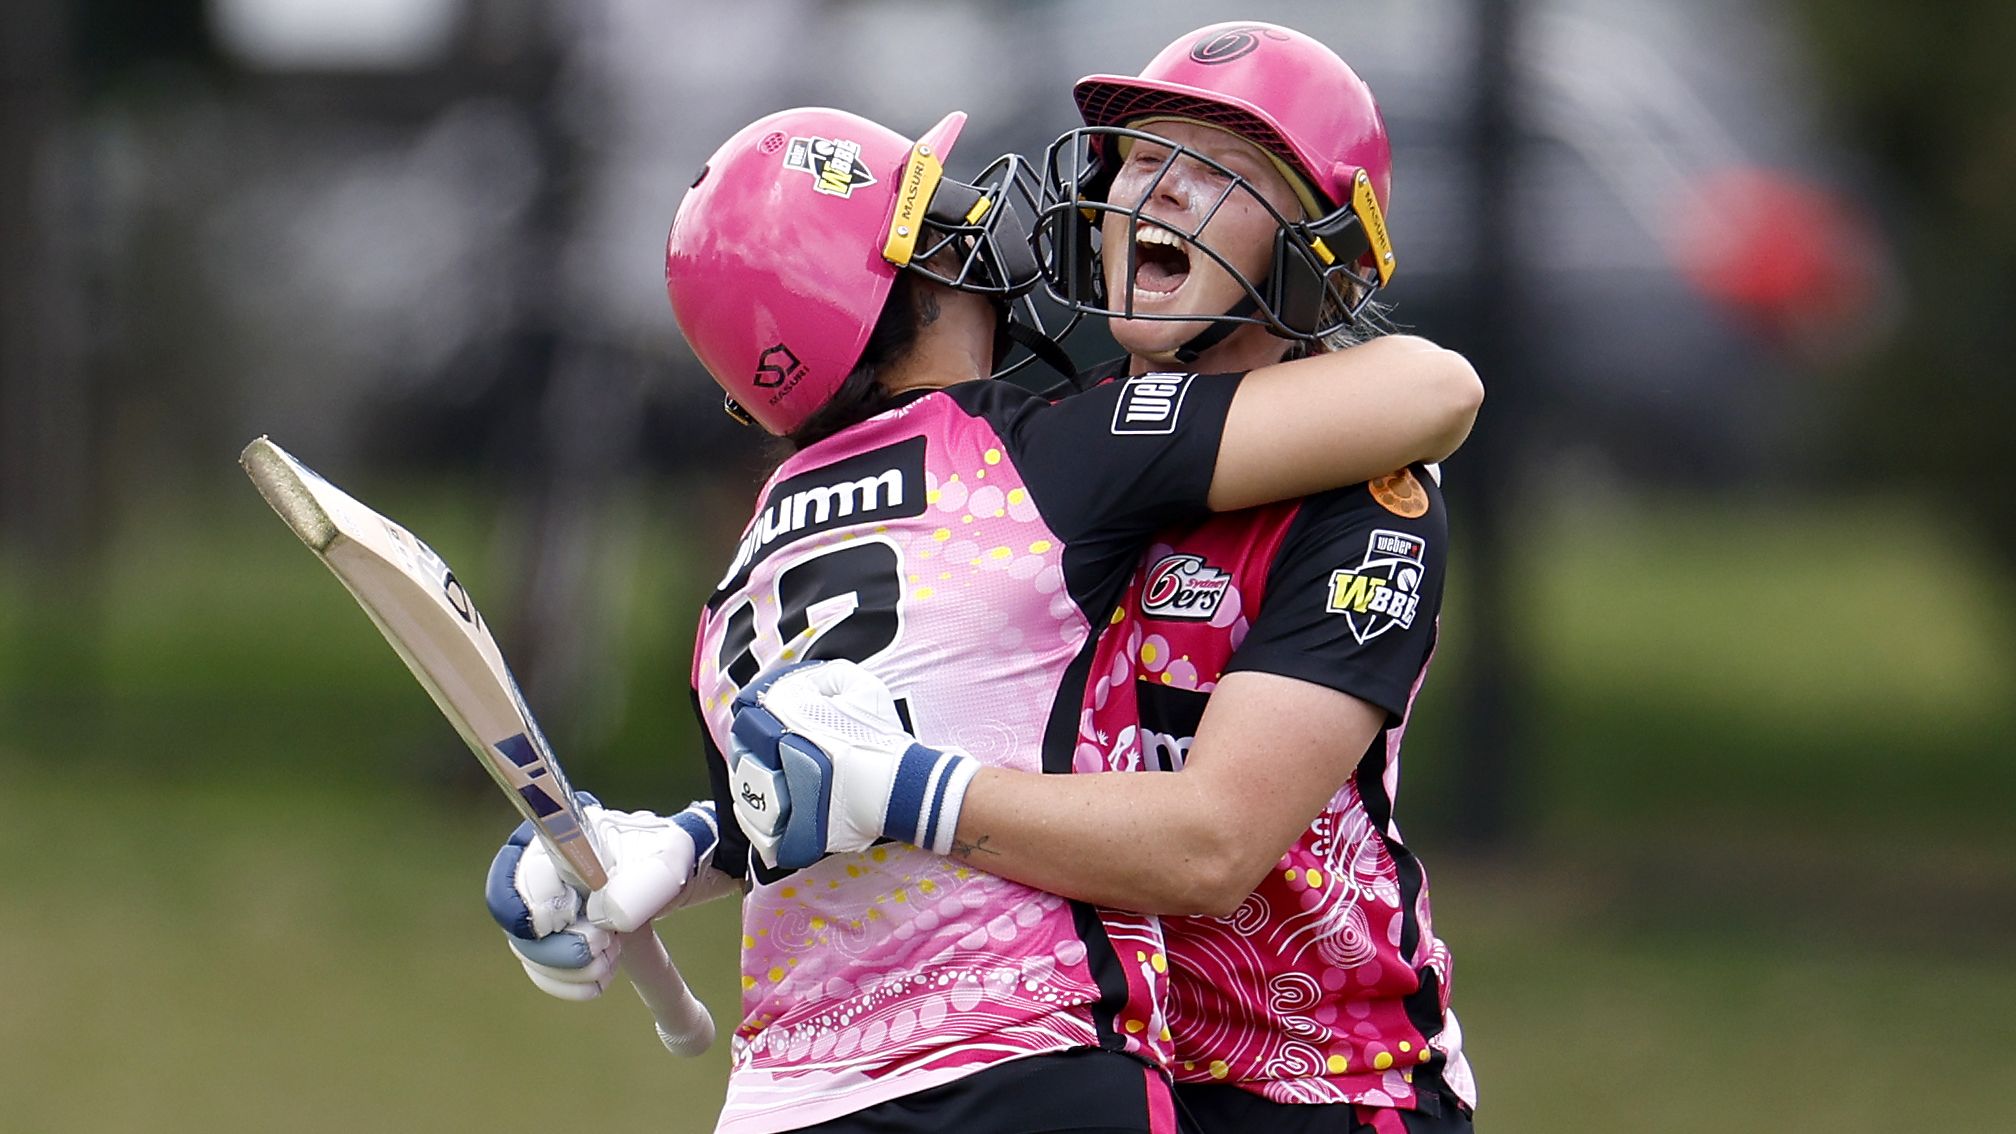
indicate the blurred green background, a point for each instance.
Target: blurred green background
{"x":1712,"y":771}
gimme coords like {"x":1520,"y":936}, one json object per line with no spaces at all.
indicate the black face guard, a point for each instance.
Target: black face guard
{"x":1314,"y":288}
{"x":984,"y":228}
{"x":974,"y":237}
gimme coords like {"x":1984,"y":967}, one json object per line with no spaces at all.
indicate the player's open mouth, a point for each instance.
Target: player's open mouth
{"x":1161,"y":261}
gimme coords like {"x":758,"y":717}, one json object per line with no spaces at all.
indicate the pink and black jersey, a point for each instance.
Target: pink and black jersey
{"x":964,"y":546}
{"x":1327,"y":985}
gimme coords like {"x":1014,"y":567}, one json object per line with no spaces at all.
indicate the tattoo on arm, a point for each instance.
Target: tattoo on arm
{"x":963,"y":849}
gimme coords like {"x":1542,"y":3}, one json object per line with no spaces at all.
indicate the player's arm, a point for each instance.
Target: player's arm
{"x":1334,"y":419}
{"x":1270,"y":753}
{"x":1307,"y":694}
{"x":1128,"y":457}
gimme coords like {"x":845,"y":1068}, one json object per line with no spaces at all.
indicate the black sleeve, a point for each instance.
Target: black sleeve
{"x":732,"y":856}
{"x":1353,"y":593}
{"x":1119,"y":460}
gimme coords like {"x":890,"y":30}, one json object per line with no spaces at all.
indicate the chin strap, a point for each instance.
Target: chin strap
{"x":1217,"y":332}
{"x":1047,"y":351}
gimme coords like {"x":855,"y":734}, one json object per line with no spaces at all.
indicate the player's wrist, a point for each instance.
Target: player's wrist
{"x":927,"y":789}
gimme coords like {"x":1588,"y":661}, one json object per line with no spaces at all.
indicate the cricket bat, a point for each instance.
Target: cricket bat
{"x":424,"y":611}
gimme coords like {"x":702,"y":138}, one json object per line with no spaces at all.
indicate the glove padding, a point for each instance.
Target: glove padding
{"x":564,"y":936}
{"x":820,"y":762}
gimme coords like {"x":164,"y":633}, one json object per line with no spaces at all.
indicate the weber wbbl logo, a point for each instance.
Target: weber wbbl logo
{"x":1385,"y":590}
{"x":1150,"y":402}
{"x":1184,"y":588}
{"x":834,"y":163}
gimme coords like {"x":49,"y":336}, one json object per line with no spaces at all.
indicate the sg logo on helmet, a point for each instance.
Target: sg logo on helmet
{"x":778,"y":369}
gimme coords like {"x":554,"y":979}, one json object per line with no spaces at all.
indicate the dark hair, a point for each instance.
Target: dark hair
{"x":862,"y":396}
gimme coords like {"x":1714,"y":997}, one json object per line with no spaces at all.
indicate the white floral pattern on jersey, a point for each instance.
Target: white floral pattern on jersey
{"x":1300,"y":994}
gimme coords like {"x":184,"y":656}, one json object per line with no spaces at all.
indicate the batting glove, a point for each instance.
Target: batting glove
{"x":822,"y":763}
{"x":564,"y":936}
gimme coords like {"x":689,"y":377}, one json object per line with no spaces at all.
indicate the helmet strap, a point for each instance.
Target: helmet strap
{"x":1047,"y":351}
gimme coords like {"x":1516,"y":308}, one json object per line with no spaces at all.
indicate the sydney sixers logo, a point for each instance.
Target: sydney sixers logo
{"x":1184,"y":588}
{"x":1230,"y":44}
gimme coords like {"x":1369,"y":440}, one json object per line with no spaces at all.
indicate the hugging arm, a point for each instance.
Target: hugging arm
{"x":1296,"y":428}
{"x":1270,"y":753}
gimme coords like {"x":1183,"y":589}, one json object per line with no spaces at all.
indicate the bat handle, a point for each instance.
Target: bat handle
{"x":684,"y":1025}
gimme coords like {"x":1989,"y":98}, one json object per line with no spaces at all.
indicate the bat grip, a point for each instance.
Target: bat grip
{"x":684,"y":1025}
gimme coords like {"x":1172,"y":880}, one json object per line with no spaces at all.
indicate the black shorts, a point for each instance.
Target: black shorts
{"x":1082,"y":1092}
{"x":1218,"y":1108}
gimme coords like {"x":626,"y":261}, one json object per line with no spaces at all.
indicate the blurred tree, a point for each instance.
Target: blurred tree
{"x":118,"y":39}
{"x":1927,"y":94}
{"x":45,"y":470}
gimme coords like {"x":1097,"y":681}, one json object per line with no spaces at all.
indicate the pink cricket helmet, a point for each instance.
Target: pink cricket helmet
{"x":1298,"y":102}
{"x":1273,"y":86}
{"x":786,"y":247}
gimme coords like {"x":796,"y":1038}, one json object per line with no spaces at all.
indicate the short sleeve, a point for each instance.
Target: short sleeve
{"x":1354,"y":590}
{"x":1123,"y":458}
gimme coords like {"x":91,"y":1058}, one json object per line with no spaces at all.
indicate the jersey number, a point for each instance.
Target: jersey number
{"x":869,"y":573}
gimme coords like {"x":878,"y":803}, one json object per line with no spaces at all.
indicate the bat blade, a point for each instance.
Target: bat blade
{"x":422,"y":609}
{"x":426,"y":614}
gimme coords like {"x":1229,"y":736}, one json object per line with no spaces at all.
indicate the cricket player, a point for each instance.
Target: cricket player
{"x":1271,"y":656}
{"x":963,"y":540}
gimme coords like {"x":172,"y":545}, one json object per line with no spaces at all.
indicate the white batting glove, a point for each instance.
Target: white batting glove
{"x":822,"y":763}
{"x":566,"y":937}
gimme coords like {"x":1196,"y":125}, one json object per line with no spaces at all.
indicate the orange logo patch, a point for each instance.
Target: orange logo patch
{"x":1400,"y":494}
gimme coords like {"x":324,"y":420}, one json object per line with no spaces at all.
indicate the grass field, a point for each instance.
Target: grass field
{"x":1765,"y":882}
{"x":193,"y":958}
